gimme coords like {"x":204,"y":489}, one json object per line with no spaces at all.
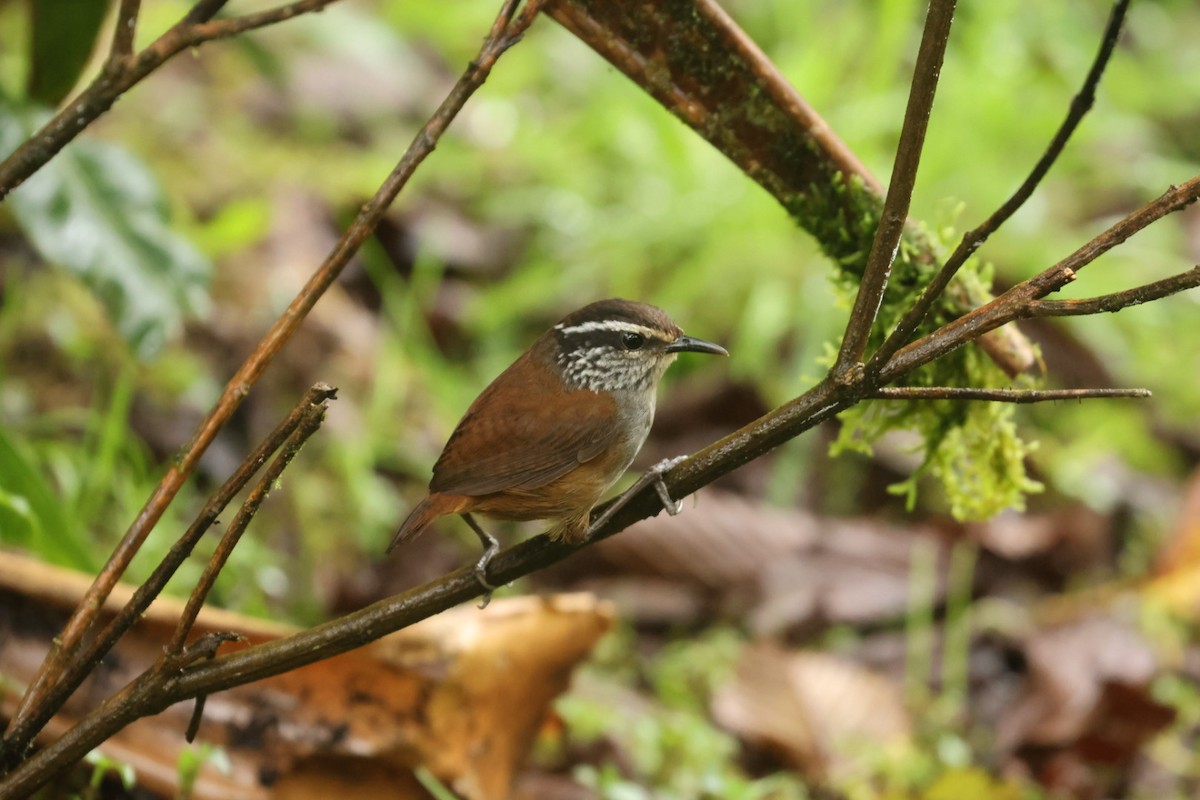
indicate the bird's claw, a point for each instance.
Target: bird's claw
{"x":481,"y":574}
{"x":655,"y":473}
{"x":490,"y":548}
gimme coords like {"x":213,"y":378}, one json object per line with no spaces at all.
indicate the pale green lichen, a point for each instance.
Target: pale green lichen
{"x":971,"y":448}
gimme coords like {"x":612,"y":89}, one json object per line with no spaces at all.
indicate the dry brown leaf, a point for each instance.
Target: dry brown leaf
{"x":720,"y":540}
{"x":1076,"y":534}
{"x":779,"y":568}
{"x":811,"y":708}
{"x":1070,"y":668}
{"x":462,"y":694}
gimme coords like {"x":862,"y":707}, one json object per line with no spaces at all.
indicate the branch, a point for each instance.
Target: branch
{"x":43,"y":698}
{"x":122,"y":71}
{"x":1117,"y":300}
{"x":694,"y":60}
{"x":311,"y":418}
{"x":505,"y":32}
{"x":124,"y":31}
{"x":1019,"y":396}
{"x":148,"y":696}
{"x":899,"y":195}
{"x":1019,"y":301}
{"x":971,"y":241}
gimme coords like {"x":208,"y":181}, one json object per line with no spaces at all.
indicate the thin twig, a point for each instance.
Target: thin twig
{"x":972,"y":240}
{"x":504,"y":32}
{"x":204,"y":31}
{"x":122,"y":71}
{"x":899,"y":195}
{"x":311,"y":420}
{"x":508,"y":28}
{"x":1115,"y":301}
{"x":47,"y":693}
{"x":1017,"y":301}
{"x":125,"y":30}
{"x":1018,"y":396}
{"x":148,"y":695}
{"x":203,"y":11}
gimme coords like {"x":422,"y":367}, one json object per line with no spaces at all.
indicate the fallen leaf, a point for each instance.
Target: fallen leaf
{"x":462,"y":694}
{"x":814,"y":710}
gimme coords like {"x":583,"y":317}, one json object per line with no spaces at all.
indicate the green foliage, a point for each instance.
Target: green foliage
{"x":98,"y":212}
{"x":31,"y":517}
{"x":63,"y":33}
{"x":103,"y":767}
{"x":972,"y":449}
{"x":192,"y":759}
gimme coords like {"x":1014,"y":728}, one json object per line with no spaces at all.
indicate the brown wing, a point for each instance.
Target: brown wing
{"x":523,"y":441}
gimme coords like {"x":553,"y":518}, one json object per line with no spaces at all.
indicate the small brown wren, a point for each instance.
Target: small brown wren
{"x":556,"y":429}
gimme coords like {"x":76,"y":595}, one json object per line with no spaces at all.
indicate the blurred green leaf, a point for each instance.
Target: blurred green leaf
{"x":97,"y":211}
{"x":31,"y":516}
{"x":63,"y":34}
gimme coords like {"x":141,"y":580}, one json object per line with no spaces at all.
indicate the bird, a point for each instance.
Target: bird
{"x":554,"y":431}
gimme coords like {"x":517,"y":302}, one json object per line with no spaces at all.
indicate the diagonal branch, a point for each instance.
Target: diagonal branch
{"x":900,"y":189}
{"x":43,"y":698}
{"x":311,"y":418}
{"x":1017,"y":301}
{"x":506,"y":31}
{"x":123,"y":70}
{"x":973,"y":239}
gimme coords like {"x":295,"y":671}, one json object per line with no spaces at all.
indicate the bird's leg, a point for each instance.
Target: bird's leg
{"x":490,"y":548}
{"x":654,"y":475}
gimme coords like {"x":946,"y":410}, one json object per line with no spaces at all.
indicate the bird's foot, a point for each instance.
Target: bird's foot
{"x":654,"y":475}
{"x":490,"y":548}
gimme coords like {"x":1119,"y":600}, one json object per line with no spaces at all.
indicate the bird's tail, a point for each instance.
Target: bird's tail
{"x":425,"y":512}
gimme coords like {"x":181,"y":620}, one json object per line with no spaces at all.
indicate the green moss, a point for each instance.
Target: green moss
{"x":971,"y":448}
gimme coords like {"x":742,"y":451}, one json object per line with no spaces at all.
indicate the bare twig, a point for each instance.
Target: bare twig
{"x":311,"y":419}
{"x":694,"y":60}
{"x":1017,"y":301}
{"x":45,"y":696}
{"x":899,"y":195}
{"x":123,"y":70}
{"x":203,"y":11}
{"x":125,"y":30}
{"x":972,"y":240}
{"x":202,"y":30}
{"x":151,"y":694}
{"x":508,"y":28}
{"x":1019,"y":396}
{"x":1115,"y":301}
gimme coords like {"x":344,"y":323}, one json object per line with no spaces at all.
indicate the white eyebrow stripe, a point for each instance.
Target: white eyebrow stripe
{"x":609,"y":325}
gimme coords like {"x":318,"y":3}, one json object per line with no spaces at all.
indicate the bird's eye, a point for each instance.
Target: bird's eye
{"x":633,"y":341}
